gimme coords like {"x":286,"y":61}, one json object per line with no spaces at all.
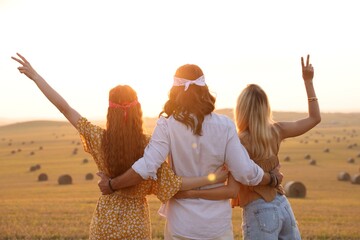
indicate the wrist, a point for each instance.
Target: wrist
{"x":111,"y":186}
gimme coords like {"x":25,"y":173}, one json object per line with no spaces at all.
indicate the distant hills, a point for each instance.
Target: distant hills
{"x":328,"y":119}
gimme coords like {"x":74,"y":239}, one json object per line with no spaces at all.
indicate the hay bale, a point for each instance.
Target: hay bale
{"x":355,"y":179}
{"x":38,"y":166}
{"x":287,"y":159}
{"x":295,"y":189}
{"x":351,"y":160}
{"x":32,"y":153}
{"x":343,"y":176}
{"x":312,"y":162}
{"x":307,"y":156}
{"x":75,"y":151}
{"x":358,"y":155}
{"x":42,"y":177}
{"x":85,"y":160}
{"x":41,"y":148}
{"x":89,"y":176}
{"x":33,"y":168}
{"x":13,"y":152}
{"x":65,"y":179}
{"x":326,"y":150}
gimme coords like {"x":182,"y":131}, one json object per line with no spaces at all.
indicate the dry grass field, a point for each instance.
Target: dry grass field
{"x":30,"y":209}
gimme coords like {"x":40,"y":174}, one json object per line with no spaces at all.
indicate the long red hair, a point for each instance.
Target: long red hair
{"x":124,"y":139}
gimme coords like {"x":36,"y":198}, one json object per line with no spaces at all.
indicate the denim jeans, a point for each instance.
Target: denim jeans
{"x":269,"y":220}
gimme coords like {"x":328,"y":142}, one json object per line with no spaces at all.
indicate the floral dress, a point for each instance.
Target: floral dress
{"x":124,"y":214}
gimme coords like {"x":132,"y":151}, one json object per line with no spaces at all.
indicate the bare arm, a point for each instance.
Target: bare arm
{"x":293,"y":129}
{"x":219,"y":193}
{"x":131,"y":178}
{"x":55,"y":98}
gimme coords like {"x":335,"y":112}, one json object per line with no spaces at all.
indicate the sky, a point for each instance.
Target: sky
{"x":83,"y":48}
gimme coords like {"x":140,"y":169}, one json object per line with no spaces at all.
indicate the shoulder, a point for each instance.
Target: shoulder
{"x":85,"y":125}
{"x":220,"y":119}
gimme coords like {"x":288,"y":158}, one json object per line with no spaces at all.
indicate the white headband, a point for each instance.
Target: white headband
{"x":185,"y":82}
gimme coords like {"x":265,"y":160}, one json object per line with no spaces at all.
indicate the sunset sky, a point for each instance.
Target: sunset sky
{"x":84,"y":48}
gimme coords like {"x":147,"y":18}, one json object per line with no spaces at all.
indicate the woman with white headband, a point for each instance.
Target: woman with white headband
{"x":124,"y":214}
{"x":196,"y":141}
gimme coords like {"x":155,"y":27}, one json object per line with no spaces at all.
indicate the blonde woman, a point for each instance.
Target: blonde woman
{"x":267,"y":213}
{"x":123,"y":214}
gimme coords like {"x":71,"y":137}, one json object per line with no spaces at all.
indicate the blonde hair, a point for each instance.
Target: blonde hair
{"x":124,"y":139}
{"x":254,"y":121}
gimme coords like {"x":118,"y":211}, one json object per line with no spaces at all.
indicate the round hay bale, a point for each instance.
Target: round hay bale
{"x":41,"y":148}
{"x":89,"y":176}
{"x":343,"y":176}
{"x":358,"y":155}
{"x":38,"y":166}
{"x":33,"y":168}
{"x":42,"y":177}
{"x":355,"y":179}
{"x":65,"y":179}
{"x":307,"y":156}
{"x":19,"y":150}
{"x":13,"y":152}
{"x":75,"y":151}
{"x":351,"y":160}
{"x":350,"y":146}
{"x":287,"y":159}
{"x":294,"y":189}
{"x":32,"y":153}
{"x":326,"y":150}
{"x":312,"y":162}
{"x":85,"y":160}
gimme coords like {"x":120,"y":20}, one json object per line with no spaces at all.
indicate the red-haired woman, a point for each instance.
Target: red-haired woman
{"x":123,"y":214}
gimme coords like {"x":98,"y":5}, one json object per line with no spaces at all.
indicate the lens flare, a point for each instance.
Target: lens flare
{"x":212,"y":177}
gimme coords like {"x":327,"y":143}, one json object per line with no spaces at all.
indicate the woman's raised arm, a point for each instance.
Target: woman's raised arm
{"x":296,"y":128}
{"x":55,"y":98}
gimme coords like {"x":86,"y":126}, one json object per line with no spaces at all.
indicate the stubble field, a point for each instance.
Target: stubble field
{"x":30,"y":209}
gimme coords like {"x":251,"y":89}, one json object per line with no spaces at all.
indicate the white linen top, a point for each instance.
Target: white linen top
{"x":191,"y":155}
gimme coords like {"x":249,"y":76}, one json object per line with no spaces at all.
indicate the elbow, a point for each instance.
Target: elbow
{"x":317,"y":120}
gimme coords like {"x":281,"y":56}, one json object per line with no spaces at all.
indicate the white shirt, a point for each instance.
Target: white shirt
{"x":192,"y":155}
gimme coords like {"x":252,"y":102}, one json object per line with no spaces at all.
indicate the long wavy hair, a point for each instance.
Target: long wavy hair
{"x":254,"y":121}
{"x":124,"y":139}
{"x":191,"y":106}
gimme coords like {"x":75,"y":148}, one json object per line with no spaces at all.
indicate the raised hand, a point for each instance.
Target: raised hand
{"x":26,"y":68}
{"x":307,"y":70}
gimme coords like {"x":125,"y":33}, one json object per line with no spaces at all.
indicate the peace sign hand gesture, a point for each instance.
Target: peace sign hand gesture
{"x":26,"y":68}
{"x":307,"y":70}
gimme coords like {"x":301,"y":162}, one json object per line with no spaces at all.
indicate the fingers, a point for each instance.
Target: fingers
{"x":102,"y":175}
{"x":307,"y":60}
{"x":24,"y":59}
{"x":18,"y":60}
{"x":302,"y":63}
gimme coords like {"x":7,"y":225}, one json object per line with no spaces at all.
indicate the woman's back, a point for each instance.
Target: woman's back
{"x":124,"y":214}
